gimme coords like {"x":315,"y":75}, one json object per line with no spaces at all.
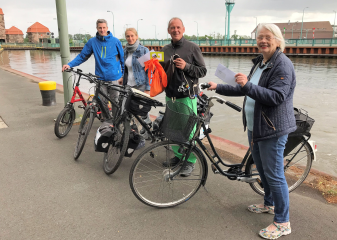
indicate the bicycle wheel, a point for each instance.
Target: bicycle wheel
{"x":64,"y":122}
{"x":113,"y":158}
{"x":149,"y":178}
{"x":84,"y":129}
{"x":295,"y":172}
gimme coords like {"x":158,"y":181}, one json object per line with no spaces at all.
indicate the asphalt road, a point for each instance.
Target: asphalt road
{"x":45,"y":194}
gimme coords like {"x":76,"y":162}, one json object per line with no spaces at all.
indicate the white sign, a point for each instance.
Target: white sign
{"x":226,"y":75}
{"x":144,"y":58}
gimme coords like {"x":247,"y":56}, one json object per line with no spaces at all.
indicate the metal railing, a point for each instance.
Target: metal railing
{"x":231,"y":42}
{"x":245,"y":42}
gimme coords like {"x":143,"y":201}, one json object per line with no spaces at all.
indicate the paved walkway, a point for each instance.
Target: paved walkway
{"x":45,"y":194}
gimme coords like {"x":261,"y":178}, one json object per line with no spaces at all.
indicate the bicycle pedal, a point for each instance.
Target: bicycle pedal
{"x":258,"y":180}
{"x":81,"y":106}
{"x":215,"y":171}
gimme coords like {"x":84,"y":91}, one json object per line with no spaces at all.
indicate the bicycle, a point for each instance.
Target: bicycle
{"x":135,"y":101}
{"x":156,"y":185}
{"x":66,"y":117}
{"x":95,"y":108}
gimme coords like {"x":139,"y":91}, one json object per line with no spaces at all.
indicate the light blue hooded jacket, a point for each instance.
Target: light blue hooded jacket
{"x":109,"y":56}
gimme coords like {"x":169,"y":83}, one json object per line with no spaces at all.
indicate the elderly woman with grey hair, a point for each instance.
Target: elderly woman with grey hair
{"x":269,"y":116}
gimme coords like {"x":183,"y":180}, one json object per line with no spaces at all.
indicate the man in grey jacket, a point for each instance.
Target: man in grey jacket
{"x":182,"y":84}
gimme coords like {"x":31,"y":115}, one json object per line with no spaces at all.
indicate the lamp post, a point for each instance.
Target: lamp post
{"x":256,"y":27}
{"x":137,"y":25}
{"x":155,"y":32}
{"x":302,"y":21}
{"x":292,"y":30}
{"x":334,"y":25}
{"x":113,"y":22}
{"x":197,"y":31}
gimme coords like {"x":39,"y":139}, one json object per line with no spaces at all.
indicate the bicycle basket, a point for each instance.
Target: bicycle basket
{"x":303,"y":122}
{"x":179,"y":122}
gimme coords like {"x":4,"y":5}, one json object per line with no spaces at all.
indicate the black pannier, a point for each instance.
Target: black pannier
{"x":103,"y":136}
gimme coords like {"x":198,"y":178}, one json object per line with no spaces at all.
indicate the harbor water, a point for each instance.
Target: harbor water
{"x":315,"y":92}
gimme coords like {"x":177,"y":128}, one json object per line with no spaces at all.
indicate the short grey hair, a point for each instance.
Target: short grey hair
{"x":174,"y":18}
{"x":275,"y":30}
{"x":101,"y":21}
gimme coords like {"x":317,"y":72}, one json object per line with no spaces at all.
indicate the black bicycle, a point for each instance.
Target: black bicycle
{"x":127,"y":119}
{"x":160,"y":185}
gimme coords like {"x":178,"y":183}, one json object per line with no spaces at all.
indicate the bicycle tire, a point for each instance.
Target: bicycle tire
{"x":64,"y":122}
{"x":149,"y":162}
{"x":295,"y":173}
{"x":84,"y":130}
{"x":113,"y":158}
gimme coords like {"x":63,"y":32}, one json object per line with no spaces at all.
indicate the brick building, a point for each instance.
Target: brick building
{"x":38,"y":33}
{"x":14,"y":35}
{"x":2,"y":27}
{"x":292,"y":30}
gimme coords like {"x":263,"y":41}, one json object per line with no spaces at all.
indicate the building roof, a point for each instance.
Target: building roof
{"x":1,"y":12}
{"x":37,"y":27}
{"x":289,"y":26}
{"x":14,"y":31}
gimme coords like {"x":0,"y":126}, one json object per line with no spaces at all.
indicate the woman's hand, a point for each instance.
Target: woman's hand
{"x":120,"y":81}
{"x":241,"y":79}
{"x":212,"y":87}
{"x":147,"y":92}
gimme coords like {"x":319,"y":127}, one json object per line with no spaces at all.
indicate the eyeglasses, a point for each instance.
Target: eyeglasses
{"x":268,"y":38}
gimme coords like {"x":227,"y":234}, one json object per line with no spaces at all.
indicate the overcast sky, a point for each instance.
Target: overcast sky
{"x":210,"y":15}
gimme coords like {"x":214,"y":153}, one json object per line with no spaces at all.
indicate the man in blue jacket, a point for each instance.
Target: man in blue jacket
{"x":109,"y":57}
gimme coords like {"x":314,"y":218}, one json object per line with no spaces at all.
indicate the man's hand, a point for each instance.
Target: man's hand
{"x":212,"y":87}
{"x":180,"y":63}
{"x":147,"y":92}
{"x":65,"y":67}
{"x":120,"y":81}
{"x":241,"y":79}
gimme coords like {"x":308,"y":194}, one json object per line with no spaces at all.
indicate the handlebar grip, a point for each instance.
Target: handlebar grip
{"x":205,"y":85}
{"x":69,"y":70}
{"x":232,"y":105}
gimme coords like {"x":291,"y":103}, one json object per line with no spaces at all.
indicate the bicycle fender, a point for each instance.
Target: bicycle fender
{"x":313,"y":148}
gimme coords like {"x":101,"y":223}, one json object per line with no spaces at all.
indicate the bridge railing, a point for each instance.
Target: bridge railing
{"x":245,"y":42}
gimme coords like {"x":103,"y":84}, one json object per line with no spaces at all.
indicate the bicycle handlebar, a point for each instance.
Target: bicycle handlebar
{"x":218,"y":99}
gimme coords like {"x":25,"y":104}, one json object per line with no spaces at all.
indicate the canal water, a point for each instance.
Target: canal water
{"x":315,"y":92}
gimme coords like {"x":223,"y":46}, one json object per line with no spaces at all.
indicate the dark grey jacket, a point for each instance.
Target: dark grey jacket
{"x":190,"y":52}
{"x":273,"y":112}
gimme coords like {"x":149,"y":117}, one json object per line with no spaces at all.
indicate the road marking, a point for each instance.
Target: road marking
{"x":3,"y":124}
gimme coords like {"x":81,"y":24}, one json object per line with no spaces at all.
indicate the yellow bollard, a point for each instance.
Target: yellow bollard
{"x":47,"y":89}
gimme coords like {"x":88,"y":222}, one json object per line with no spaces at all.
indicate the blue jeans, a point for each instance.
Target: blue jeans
{"x":268,"y":157}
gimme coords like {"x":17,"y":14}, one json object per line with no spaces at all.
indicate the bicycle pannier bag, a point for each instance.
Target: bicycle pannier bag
{"x":103,"y":137}
{"x":134,"y":141}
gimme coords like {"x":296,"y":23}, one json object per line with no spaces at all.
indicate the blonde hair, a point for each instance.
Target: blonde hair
{"x":131,"y":30}
{"x":275,"y":30}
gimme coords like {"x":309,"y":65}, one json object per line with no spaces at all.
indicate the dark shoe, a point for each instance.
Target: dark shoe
{"x":187,"y":170}
{"x":172,"y":162}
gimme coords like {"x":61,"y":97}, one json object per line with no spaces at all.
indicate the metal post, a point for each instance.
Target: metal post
{"x":334,"y":25}
{"x":113,"y":22}
{"x":137,"y":26}
{"x":62,"y":22}
{"x":155,"y":32}
{"x":197,"y":31}
{"x":302,"y":22}
{"x":226,"y":26}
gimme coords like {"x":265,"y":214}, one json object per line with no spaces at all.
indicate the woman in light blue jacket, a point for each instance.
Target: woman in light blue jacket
{"x":134,"y":74}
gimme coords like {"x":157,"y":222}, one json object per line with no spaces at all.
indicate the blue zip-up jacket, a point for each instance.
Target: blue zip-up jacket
{"x":140,"y":75}
{"x":109,"y":57}
{"x":273,"y":111}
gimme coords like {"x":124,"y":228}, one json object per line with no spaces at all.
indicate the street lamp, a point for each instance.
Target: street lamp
{"x":302,"y":21}
{"x":334,"y":25}
{"x":197,"y":31}
{"x":155,"y":32}
{"x":256,"y":27}
{"x":137,"y":25}
{"x":113,"y":22}
{"x":292,"y":30}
